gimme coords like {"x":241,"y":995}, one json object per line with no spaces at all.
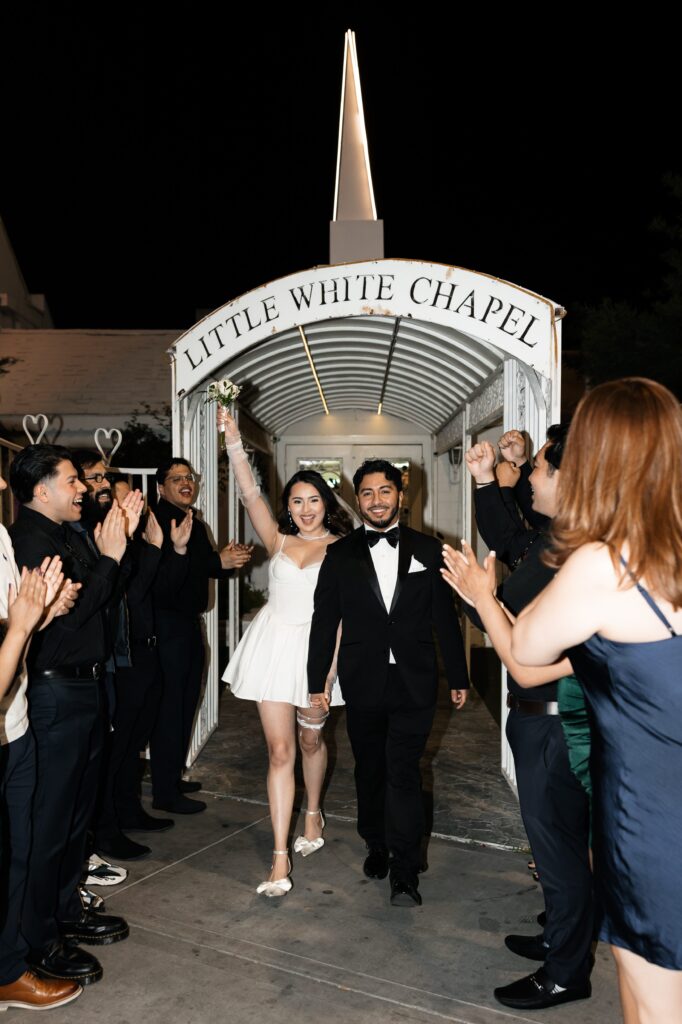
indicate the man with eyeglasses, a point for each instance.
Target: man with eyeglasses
{"x":178,"y":626}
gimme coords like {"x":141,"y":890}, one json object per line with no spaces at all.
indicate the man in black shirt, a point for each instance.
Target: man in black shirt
{"x":64,"y":693}
{"x":554,"y":806}
{"x":181,"y":646}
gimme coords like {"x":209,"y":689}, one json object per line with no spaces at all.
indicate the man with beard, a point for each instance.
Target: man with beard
{"x":383,"y":582}
{"x":132,"y":695}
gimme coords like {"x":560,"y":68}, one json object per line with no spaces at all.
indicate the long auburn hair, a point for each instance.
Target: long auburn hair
{"x":336,"y":519}
{"x":621,"y":482}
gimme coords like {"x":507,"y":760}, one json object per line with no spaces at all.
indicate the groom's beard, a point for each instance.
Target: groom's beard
{"x":380,"y":519}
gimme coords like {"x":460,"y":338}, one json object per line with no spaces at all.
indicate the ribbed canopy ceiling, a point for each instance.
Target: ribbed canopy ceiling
{"x":426,"y":371}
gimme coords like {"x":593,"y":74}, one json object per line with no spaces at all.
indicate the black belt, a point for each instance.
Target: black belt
{"x":89,"y":671}
{"x":146,"y":641}
{"x":532,"y":707}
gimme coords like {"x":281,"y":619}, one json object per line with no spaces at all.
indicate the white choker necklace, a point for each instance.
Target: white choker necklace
{"x":304,"y":536}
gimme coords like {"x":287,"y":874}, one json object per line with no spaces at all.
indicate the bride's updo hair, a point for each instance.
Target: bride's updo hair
{"x":336,"y":519}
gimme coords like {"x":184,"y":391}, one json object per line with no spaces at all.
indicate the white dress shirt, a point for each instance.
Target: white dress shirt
{"x":13,"y":706}
{"x":385,"y":559}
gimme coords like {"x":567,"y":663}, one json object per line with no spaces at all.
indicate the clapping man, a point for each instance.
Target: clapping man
{"x":65,"y":665}
{"x":181,"y":646}
{"x":26,"y":601}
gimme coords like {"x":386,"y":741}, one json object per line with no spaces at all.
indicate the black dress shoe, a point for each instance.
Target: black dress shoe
{"x":95,"y":929}
{"x":187,"y":786}
{"x":67,"y":962}
{"x":404,"y":893}
{"x":537,"y":992}
{"x":376,"y":862}
{"x":119,"y":847}
{"x":533,"y":947}
{"x":144,"y":822}
{"x":180,"y":805}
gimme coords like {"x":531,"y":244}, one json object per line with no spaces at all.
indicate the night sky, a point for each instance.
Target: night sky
{"x":156,"y":164}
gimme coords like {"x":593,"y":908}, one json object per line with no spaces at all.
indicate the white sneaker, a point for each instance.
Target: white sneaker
{"x":101,"y":872}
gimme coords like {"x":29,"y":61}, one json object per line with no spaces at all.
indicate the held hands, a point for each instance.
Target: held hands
{"x":227,"y":425}
{"x":180,"y":534}
{"x":480,"y":461}
{"x":235,"y":556}
{"x":110,"y":536}
{"x":132,"y":506}
{"x":320,"y":700}
{"x":153,"y":534}
{"x":472,"y":582}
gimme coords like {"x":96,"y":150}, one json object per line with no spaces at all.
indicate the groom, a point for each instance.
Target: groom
{"x":383,"y":583}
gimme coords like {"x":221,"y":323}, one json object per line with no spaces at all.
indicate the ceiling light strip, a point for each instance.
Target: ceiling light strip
{"x":312,"y":368}
{"x":391,"y":347}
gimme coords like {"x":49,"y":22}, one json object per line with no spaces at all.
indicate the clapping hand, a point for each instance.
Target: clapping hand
{"x":480,"y":461}
{"x":53,"y":577}
{"x":132,"y":506}
{"x":63,"y":602}
{"x":180,"y":534}
{"x":234,"y":556}
{"x":110,"y":536}
{"x":471,"y":581}
{"x":153,"y":534}
{"x":25,"y":608}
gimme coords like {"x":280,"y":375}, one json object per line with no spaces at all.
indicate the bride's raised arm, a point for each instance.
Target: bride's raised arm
{"x":256,"y":507}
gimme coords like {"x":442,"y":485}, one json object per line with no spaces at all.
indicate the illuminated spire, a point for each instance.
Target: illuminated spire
{"x":355,"y":232}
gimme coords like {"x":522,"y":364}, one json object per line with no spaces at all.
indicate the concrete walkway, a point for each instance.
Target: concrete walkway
{"x":204,"y":948}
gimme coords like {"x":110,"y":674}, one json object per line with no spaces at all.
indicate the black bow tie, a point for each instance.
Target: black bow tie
{"x":373,"y":537}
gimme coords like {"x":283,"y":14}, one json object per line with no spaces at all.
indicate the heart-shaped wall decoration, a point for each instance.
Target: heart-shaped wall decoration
{"x":113,"y":434}
{"x":41,"y":419}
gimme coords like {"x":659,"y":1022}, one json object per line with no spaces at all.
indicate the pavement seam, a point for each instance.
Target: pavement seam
{"x":464,"y":840}
{"x":195,"y":853}
{"x":338,"y":985}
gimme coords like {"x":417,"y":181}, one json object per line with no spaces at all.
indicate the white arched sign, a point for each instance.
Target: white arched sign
{"x":511,"y":319}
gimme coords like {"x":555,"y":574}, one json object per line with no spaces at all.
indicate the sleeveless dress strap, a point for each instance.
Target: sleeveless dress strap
{"x":649,"y":600}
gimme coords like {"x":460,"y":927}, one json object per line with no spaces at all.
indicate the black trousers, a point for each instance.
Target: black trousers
{"x":17,"y":783}
{"x":181,"y":654}
{"x":388,"y":742}
{"x":138,"y":690}
{"x":555,"y":812}
{"x":68,"y":727}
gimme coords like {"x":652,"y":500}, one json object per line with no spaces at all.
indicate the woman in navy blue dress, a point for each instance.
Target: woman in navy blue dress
{"x":615,"y":607}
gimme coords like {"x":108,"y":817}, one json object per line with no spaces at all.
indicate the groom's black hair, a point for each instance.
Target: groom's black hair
{"x":390,"y":471}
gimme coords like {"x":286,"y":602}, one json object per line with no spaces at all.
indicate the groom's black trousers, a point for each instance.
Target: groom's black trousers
{"x":388,"y":741}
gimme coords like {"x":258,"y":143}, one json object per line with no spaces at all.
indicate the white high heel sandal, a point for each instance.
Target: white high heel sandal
{"x":307,"y":846}
{"x":280,"y":886}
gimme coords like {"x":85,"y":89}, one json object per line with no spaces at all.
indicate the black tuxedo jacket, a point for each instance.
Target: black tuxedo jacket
{"x":348,"y":591}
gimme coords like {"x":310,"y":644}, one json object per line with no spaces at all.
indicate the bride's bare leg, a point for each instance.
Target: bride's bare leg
{"x":656,"y":992}
{"x":314,"y":755}
{"x":279,"y":727}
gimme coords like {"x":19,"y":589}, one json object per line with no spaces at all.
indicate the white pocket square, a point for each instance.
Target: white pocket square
{"x":416,"y":566}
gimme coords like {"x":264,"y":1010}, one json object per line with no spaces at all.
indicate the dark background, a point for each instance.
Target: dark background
{"x":156,"y":163}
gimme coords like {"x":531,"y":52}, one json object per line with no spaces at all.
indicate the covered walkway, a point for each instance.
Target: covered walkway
{"x":204,"y":948}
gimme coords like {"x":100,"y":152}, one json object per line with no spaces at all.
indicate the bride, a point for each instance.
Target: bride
{"x":269,"y":664}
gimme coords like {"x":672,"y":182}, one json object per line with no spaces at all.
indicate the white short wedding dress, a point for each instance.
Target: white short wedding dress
{"x":270,"y":662}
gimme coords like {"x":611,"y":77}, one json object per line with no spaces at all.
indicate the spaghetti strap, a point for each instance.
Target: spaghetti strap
{"x":280,"y":549}
{"x":649,"y":600}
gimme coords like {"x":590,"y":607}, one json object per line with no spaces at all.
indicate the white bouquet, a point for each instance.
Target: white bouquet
{"x":224,"y":392}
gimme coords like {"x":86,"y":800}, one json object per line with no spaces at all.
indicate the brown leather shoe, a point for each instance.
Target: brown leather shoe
{"x":29,"y":992}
